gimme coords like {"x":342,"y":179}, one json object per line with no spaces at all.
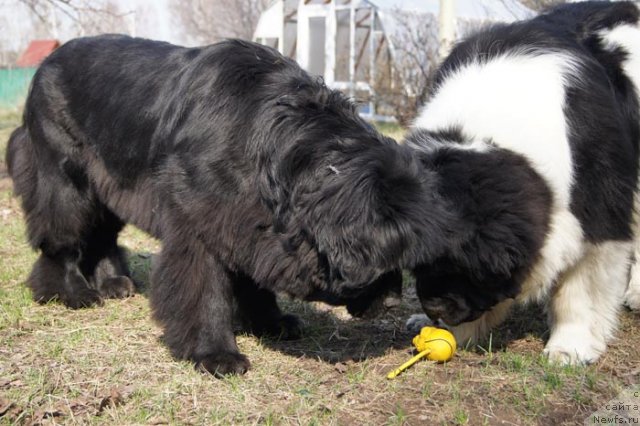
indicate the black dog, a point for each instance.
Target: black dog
{"x":533,"y":132}
{"x":255,"y":176}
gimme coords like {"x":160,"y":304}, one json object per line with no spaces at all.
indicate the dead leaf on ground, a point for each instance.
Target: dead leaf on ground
{"x":341,"y":367}
{"x":114,"y":399}
{"x":11,"y":383}
{"x":81,"y":406}
{"x":43,"y":415}
{"x":5,"y":406}
{"x":9,"y":410}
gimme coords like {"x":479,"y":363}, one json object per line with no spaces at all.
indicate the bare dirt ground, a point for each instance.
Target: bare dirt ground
{"x":108,"y":365}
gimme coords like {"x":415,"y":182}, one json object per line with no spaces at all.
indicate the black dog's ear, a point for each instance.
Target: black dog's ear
{"x":375,"y":211}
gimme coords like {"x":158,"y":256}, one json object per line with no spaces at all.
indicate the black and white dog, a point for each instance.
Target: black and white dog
{"x":532,"y":134}
{"x":256,"y":177}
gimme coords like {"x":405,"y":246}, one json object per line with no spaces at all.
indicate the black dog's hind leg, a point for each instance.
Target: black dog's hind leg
{"x":75,"y":233}
{"x":56,"y":276}
{"x":104,"y":263}
{"x":59,"y":209}
{"x":192,"y":299}
{"x":260,"y":313}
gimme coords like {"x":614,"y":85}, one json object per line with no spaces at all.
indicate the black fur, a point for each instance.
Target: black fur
{"x":502,"y":202}
{"x":257,"y":178}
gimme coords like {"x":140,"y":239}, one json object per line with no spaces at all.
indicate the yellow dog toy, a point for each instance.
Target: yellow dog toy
{"x":434,"y":343}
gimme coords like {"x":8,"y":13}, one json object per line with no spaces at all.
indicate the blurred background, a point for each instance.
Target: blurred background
{"x":380,"y":52}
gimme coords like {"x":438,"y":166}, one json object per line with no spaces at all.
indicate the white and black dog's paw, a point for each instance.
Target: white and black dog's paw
{"x":632,"y":300}
{"x":632,"y":296}
{"x":574,"y":345}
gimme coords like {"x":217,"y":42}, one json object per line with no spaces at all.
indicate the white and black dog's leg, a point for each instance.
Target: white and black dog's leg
{"x":584,"y":306}
{"x":632,"y":295}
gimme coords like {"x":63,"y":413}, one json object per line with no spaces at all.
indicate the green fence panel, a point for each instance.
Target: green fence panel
{"x":14,"y":84}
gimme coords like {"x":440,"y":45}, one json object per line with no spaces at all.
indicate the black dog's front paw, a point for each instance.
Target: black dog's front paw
{"x":290,"y":327}
{"x":83,"y":298}
{"x":117,"y":287}
{"x":284,"y":327}
{"x":223,"y":363}
{"x":375,"y":307}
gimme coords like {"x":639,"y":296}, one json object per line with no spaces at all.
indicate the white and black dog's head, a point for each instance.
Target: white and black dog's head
{"x":527,"y":120}
{"x":497,"y":232}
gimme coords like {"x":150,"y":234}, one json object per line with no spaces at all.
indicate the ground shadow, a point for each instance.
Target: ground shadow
{"x":525,"y":322}
{"x":332,"y":338}
{"x":331,"y":335}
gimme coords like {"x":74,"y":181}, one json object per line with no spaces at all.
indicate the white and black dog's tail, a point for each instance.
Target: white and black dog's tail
{"x":610,"y":31}
{"x":620,"y":40}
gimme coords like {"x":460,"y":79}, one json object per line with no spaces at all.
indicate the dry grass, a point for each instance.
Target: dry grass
{"x":392,"y":130}
{"x":107,"y":365}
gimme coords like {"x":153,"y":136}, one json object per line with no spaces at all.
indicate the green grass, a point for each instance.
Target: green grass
{"x":108,"y":365}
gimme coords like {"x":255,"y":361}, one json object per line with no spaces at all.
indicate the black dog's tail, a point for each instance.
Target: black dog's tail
{"x":20,"y":161}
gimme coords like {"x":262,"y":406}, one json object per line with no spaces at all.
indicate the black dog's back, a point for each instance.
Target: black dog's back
{"x":127,"y":97}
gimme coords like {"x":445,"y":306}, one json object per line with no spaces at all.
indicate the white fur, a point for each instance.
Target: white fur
{"x":470,"y":332}
{"x":516,"y":102}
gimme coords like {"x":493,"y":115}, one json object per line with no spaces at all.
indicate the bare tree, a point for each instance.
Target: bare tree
{"x":539,"y":5}
{"x":108,"y":19}
{"x":87,"y":17}
{"x":206,"y":21}
{"x":403,"y":85}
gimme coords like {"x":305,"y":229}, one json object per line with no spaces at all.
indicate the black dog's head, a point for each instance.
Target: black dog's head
{"x":362,"y":201}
